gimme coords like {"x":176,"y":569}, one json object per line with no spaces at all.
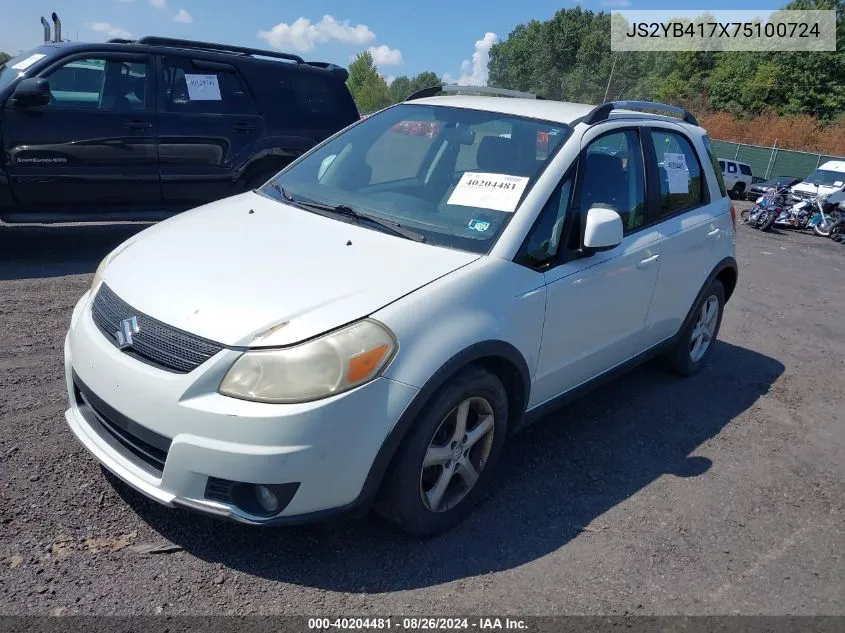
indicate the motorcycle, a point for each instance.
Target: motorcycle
{"x":818,"y":213}
{"x":766,"y":209}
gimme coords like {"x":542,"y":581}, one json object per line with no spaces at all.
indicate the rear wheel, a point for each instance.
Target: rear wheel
{"x":696,"y":340}
{"x":768,"y":221}
{"x":446,"y":461}
{"x":738,"y":191}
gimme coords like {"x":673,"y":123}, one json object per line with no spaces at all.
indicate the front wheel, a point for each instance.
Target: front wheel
{"x":768,"y":221}
{"x":824,"y":226}
{"x":447,"y":460}
{"x":696,"y":340}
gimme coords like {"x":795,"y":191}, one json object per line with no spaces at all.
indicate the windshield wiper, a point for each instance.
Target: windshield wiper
{"x":349,"y":212}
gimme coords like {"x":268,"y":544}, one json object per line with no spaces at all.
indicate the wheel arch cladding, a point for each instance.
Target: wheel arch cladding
{"x":498,"y":357}
{"x":726,"y":272}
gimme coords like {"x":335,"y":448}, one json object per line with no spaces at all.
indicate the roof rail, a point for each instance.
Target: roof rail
{"x":332,"y":68}
{"x":497,"y":92}
{"x":120,"y":40}
{"x":223,"y":48}
{"x":602,"y":112}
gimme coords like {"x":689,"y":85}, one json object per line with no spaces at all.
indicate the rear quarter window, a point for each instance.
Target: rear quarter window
{"x":716,"y":166}
{"x":745,"y":169}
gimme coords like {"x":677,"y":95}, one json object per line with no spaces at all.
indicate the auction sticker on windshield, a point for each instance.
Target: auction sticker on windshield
{"x":499,"y":192}
{"x":29,"y":61}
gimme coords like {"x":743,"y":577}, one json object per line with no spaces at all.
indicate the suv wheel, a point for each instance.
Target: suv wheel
{"x":696,"y":341}
{"x":448,"y":458}
{"x":738,"y":191}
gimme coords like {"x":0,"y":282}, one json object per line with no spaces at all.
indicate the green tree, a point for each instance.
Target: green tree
{"x":400,"y":89}
{"x":361,"y":68}
{"x":368,"y":87}
{"x":4,"y":57}
{"x":425,"y":79}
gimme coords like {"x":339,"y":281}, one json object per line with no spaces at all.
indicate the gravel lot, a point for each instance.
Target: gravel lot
{"x":723,"y":494}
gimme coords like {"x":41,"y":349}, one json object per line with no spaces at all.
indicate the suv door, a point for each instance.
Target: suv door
{"x":93,"y":146}
{"x":596,"y":304}
{"x":694,"y":219}
{"x":208,"y":126}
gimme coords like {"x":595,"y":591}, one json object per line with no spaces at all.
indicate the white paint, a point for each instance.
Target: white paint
{"x":203,"y":87}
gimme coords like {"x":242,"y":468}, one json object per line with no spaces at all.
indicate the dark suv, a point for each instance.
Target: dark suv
{"x":154,"y":126}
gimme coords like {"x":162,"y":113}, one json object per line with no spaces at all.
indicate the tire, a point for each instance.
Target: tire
{"x":769,"y":221}
{"x":824,"y":232}
{"x":680,"y":359}
{"x":738,"y":191}
{"x":410,"y":490}
{"x":745,"y":213}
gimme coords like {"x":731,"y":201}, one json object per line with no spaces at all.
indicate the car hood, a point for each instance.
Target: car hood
{"x":815,"y":189}
{"x":251,"y":271}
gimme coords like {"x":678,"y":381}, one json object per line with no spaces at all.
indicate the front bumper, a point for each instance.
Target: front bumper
{"x":190,"y":433}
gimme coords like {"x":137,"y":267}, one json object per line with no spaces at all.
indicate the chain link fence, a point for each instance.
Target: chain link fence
{"x":770,"y":162}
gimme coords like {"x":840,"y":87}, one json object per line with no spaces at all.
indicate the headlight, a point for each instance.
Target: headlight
{"x":323,"y":367}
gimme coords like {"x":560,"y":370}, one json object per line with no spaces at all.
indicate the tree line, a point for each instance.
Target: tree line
{"x":371,"y":90}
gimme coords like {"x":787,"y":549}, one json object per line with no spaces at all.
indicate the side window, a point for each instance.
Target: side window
{"x":99,"y":84}
{"x":731,"y":168}
{"x":612,"y":176}
{"x":716,"y":166}
{"x":681,"y":182}
{"x":198,"y":90}
{"x":745,"y":169}
{"x":542,"y":243}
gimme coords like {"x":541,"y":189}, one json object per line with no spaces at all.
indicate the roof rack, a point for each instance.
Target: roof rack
{"x":498,"y":92}
{"x":209,"y":46}
{"x":602,"y":112}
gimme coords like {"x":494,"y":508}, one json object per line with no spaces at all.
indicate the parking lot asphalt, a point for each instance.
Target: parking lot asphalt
{"x":719,"y":494}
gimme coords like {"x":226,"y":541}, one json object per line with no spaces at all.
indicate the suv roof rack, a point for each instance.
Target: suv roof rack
{"x":602,"y":112}
{"x":497,"y":92}
{"x":209,"y":46}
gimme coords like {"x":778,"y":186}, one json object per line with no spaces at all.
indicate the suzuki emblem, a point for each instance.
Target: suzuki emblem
{"x":124,"y":335}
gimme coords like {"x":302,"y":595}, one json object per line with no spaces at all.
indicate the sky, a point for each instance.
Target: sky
{"x":449,"y":37}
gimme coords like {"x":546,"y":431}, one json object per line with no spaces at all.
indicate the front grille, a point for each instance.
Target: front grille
{"x":141,"y":446}
{"x":155,"y":342}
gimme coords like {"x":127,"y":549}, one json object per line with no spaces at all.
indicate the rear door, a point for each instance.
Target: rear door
{"x":693,"y":217}
{"x":93,"y":147}
{"x":596,"y":306}
{"x":209,"y":125}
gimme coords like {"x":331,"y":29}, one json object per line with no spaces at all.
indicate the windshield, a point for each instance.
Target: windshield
{"x":827,"y":178}
{"x":453,"y":175}
{"x":16,"y":66}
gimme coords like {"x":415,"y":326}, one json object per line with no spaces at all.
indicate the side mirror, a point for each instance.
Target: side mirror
{"x":603,"y":230}
{"x":32,"y":92}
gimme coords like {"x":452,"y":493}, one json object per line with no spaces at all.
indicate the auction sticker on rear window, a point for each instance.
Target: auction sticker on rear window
{"x":489,"y":191}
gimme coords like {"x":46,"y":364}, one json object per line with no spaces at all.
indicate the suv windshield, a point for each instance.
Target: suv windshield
{"x":826,"y":178}
{"x":454,"y":176}
{"x":8,"y":72}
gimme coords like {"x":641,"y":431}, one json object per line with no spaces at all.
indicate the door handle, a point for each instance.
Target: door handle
{"x":714,"y":233}
{"x":137,"y":125}
{"x":243,"y":127}
{"x":648,"y":260}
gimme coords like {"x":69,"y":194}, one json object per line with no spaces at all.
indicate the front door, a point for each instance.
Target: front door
{"x":93,"y":146}
{"x":597,"y":305}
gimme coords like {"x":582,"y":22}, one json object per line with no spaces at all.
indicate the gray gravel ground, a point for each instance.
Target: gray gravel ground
{"x":724,"y":493}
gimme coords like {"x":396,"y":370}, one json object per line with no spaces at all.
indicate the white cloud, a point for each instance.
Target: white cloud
{"x":616,"y":4}
{"x":474,"y":73}
{"x":184,"y":17}
{"x":109,"y":29}
{"x":303,"y":36}
{"x":158,"y":4}
{"x":386,"y":56}
{"x":388,"y":79}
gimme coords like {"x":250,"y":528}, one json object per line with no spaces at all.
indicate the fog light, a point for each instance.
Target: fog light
{"x":266,"y":498}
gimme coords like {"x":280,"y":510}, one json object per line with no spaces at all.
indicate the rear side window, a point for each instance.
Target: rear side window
{"x":199,"y":90}
{"x":716,"y":166}
{"x":745,"y":169}
{"x":681,"y":181}
{"x":301,"y":100}
{"x":731,"y":168}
